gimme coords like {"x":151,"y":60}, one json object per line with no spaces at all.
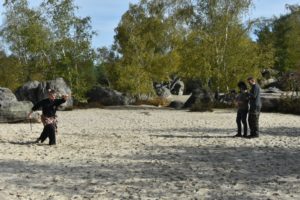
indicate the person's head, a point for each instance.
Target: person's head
{"x":251,"y":80}
{"x":242,"y":86}
{"x":51,"y":94}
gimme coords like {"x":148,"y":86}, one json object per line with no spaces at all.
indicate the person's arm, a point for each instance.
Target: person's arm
{"x":35,"y":107}
{"x":236,"y":101}
{"x":62,"y":100}
{"x":254,"y":94}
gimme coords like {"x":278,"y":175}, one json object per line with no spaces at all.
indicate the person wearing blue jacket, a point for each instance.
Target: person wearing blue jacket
{"x":255,"y":107}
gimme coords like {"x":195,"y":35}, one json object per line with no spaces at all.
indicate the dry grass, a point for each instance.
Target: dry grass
{"x":156,"y":101}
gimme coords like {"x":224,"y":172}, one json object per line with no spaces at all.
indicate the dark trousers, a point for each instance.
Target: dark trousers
{"x":48,"y":131}
{"x":253,"y":121}
{"x":241,"y":118}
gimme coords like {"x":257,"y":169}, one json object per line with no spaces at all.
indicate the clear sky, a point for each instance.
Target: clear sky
{"x":106,"y":14}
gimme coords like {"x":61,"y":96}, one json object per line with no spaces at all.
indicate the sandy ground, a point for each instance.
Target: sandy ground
{"x":146,"y":153}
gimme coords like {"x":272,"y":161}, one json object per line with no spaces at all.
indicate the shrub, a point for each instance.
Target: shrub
{"x":289,"y":105}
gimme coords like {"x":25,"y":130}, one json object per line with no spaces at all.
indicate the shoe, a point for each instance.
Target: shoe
{"x":238,"y":135}
{"x":37,"y":140}
{"x":252,"y":136}
{"x":244,"y":136}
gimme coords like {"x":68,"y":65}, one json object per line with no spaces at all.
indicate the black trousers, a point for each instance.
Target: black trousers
{"x":253,"y":121}
{"x":48,"y":131}
{"x":241,"y":118}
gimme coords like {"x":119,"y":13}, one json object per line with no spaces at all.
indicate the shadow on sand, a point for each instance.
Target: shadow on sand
{"x":226,"y":172}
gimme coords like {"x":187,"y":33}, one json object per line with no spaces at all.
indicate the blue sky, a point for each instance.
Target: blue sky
{"x":106,"y":14}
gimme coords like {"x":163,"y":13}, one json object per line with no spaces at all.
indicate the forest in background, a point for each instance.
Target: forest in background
{"x":155,"y":40}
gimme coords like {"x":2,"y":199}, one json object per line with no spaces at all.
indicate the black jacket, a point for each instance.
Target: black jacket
{"x":243,"y":100}
{"x":48,"y":107}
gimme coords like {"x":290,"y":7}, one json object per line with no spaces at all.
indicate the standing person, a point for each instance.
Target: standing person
{"x":49,"y":107}
{"x":255,"y":107}
{"x":242,"y":101}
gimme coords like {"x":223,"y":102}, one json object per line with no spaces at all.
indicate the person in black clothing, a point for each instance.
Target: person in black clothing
{"x":49,"y":107}
{"x":242,"y":101}
{"x":255,"y":107}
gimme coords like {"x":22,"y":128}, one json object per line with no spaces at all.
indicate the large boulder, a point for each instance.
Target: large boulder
{"x":192,"y":84}
{"x":6,"y":96}
{"x":269,"y":78}
{"x":177,"y":87}
{"x":199,"y":95}
{"x":269,"y":83}
{"x":107,"y":97}
{"x":176,"y":104}
{"x":270,"y":103}
{"x":12,"y":110}
{"x":272,"y":90}
{"x":28,"y":92}
{"x":162,"y":90}
{"x":270,"y":99}
{"x":15,"y":111}
{"x":35,"y":91}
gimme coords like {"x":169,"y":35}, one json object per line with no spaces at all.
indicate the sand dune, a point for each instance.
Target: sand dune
{"x":147,"y":153}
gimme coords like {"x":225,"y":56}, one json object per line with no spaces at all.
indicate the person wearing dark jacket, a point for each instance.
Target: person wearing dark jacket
{"x":255,"y":107}
{"x":242,"y":101}
{"x":49,"y":107}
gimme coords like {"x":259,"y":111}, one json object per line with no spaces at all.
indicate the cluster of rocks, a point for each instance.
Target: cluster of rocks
{"x":289,"y":81}
{"x":176,"y":88}
{"x":15,"y":107}
{"x":35,"y":91}
{"x":275,"y":86}
{"x":166,"y":89}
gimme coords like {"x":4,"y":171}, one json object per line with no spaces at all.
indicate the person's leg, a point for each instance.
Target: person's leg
{"x":43,"y":135}
{"x":239,"y":125}
{"x":250,"y":122}
{"x":256,"y":122}
{"x":244,"y":121}
{"x":51,"y":134}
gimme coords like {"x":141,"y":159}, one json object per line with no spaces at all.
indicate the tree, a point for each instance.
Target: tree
{"x":265,"y":42}
{"x":71,"y":49}
{"x":218,"y":49}
{"x":27,"y":37}
{"x":10,"y":73}
{"x":202,"y":39}
{"x":282,"y":36}
{"x":287,"y":34}
{"x":51,"y":41}
{"x":145,"y":42}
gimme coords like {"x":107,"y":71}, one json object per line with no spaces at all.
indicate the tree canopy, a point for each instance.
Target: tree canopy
{"x":155,"y":39}
{"x":50,"y":41}
{"x":195,"y":39}
{"x":282,"y":36}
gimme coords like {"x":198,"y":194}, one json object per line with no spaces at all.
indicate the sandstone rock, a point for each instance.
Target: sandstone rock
{"x":12,"y":110}
{"x":35,"y":91}
{"x":108,"y":97}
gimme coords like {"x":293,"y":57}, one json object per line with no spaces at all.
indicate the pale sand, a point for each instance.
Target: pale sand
{"x":151,"y":154}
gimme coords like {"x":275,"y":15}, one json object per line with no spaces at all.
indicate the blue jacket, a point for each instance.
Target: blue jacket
{"x":254,"y":97}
